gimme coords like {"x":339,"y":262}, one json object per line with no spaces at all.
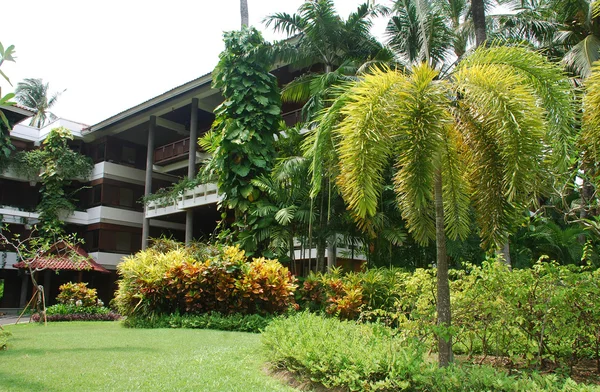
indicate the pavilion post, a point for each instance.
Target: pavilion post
{"x":148,"y":183}
{"x":189,"y":214}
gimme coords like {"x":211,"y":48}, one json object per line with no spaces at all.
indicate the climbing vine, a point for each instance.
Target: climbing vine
{"x":57,"y":165}
{"x":6,"y":146}
{"x":245,"y":125}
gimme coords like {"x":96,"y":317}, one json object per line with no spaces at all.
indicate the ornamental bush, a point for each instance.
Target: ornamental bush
{"x":72,"y":312}
{"x":155,"y":283}
{"x":72,"y":293}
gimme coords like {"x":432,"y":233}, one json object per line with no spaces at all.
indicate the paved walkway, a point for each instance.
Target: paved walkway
{"x":12,"y":319}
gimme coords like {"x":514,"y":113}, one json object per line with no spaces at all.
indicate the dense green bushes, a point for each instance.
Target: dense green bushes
{"x":232,"y":322}
{"x":167,"y":282}
{"x":373,"y":357}
{"x":72,"y":312}
{"x":533,"y":317}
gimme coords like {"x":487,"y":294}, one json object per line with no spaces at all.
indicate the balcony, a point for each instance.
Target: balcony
{"x":172,"y":152}
{"x":201,"y":195}
{"x":292,"y":118}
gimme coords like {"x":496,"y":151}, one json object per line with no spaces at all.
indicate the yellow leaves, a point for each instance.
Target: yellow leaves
{"x":590,"y":135}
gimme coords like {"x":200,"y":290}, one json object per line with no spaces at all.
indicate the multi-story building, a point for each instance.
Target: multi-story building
{"x":135,"y":153}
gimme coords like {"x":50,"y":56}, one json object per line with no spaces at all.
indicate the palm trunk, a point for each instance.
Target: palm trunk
{"x":443,"y":284}
{"x":244,"y":12}
{"x":478,"y":13}
{"x":505,"y":253}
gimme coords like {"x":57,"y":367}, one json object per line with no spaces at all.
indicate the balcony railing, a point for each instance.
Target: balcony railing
{"x":293,"y":117}
{"x":202,"y":194}
{"x":172,"y":151}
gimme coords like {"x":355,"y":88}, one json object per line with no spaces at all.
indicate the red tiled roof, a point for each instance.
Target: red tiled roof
{"x":63,"y":262}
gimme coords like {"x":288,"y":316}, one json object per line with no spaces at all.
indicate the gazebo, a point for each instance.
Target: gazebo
{"x":60,"y":257}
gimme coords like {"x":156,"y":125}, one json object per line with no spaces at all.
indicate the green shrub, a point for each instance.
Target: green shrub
{"x":234,"y":322}
{"x":4,"y":335}
{"x":154,"y":283}
{"x":64,"y":309}
{"x":346,"y":354}
{"x":540,"y":316}
{"x":72,"y":312}
{"x":77,"y":293}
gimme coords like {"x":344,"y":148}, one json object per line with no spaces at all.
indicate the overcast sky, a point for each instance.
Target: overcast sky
{"x":111,"y":55}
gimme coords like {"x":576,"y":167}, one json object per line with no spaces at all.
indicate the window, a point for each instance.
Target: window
{"x":128,"y":155}
{"x":96,"y":195}
{"x":100,"y":152}
{"x":123,"y":241}
{"x":126,"y":197}
{"x":92,"y":240}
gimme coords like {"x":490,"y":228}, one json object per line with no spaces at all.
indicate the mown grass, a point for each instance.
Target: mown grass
{"x":104,"y":356}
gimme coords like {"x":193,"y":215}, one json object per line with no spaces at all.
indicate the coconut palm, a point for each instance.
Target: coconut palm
{"x":339,"y":48}
{"x":322,"y":37}
{"x":568,"y":29}
{"x":34,"y":93}
{"x":481,"y":135}
{"x":418,"y":31}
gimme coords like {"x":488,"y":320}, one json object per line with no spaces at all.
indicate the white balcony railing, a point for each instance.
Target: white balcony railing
{"x":201,"y":195}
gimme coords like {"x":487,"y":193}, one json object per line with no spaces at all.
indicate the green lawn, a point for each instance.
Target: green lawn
{"x":104,"y":356}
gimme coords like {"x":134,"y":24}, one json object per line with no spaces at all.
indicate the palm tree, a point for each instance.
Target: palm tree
{"x":418,"y":31}
{"x":33,"y":93}
{"x":339,"y":48}
{"x":568,"y":29}
{"x":322,"y":37}
{"x":482,"y":135}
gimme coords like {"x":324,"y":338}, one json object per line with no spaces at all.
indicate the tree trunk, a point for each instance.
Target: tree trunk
{"x":586,"y":192}
{"x":478,"y":13}
{"x":331,"y":253}
{"x":244,"y":12}
{"x":321,"y":248}
{"x":443,"y":285}
{"x":505,"y":253}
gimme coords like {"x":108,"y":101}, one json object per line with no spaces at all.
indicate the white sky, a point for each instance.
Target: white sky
{"x":111,"y":55}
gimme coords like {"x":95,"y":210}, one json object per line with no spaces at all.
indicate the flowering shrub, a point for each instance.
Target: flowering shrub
{"x":77,"y":312}
{"x":154,"y":283}
{"x":77,"y":293}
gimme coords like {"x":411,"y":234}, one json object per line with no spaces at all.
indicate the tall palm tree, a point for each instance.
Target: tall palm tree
{"x":34,"y":93}
{"x":322,"y":37}
{"x":339,"y":48}
{"x":481,"y":135}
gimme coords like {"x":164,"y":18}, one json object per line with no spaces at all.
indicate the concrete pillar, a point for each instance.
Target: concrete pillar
{"x":189,"y":214}
{"x":23,"y":299}
{"x":148,"y":184}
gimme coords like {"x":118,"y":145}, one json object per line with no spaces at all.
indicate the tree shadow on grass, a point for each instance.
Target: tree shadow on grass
{"x":13,"y":382}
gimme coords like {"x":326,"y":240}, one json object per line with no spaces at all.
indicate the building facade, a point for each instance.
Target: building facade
{"x":135,"y":153}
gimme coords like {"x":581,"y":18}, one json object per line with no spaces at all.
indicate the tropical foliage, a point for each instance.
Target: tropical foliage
{"x":5,"y":145}
{"x":358,"y":357}
{"x":244,"y":128}
{"x":56,"y":165}
{"x":155,"y":283}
